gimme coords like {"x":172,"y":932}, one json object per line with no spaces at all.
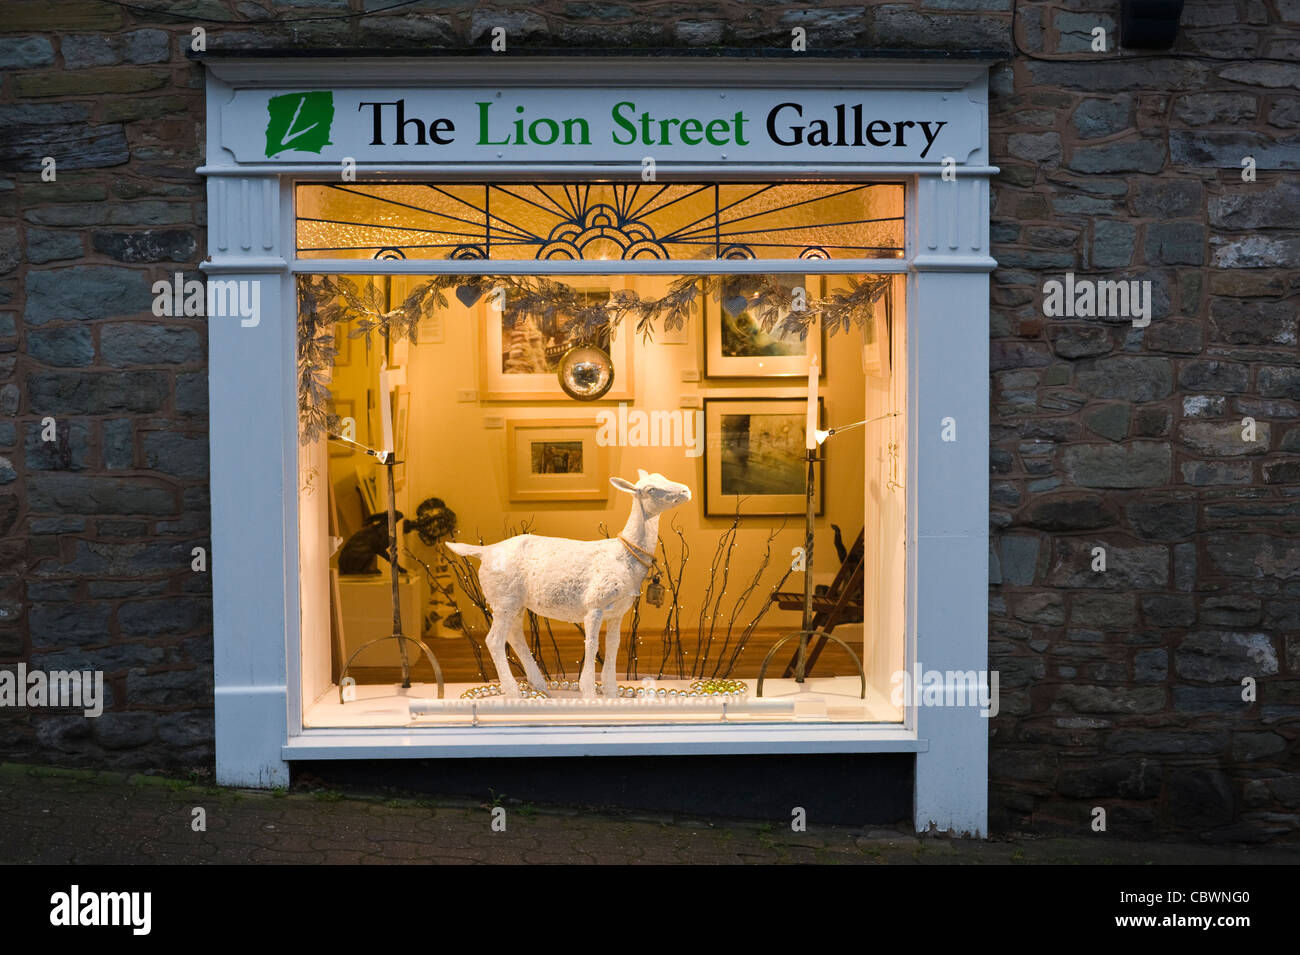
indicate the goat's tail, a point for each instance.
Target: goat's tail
{"x":465,"y":550}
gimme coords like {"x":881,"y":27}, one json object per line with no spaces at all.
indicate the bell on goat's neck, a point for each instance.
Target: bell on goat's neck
{"x":654,"y":594}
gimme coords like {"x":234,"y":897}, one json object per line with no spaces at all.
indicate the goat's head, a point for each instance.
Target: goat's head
{"x":655,"y":492}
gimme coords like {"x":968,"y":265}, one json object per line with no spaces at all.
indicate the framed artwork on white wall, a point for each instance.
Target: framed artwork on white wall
{"x":755,"y":458}
{"x":520,"y":361}
{"x":556,"y":459}
{"x":737,"y":346}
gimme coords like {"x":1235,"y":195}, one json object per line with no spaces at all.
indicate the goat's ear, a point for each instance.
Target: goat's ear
{"x":641,"y":474}
{"x":622,"y":485}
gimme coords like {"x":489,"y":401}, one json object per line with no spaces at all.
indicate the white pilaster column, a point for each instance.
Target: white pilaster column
{"x":252,"y":420}
{"x":948,"y":311}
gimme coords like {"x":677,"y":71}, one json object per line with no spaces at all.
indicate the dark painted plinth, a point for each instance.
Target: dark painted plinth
{"x":851,"y":790}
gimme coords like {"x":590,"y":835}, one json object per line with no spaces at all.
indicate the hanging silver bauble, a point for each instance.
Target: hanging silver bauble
{"x":586,"y":372}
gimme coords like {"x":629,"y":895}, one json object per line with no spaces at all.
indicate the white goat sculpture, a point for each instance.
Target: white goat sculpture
{"x":586,"y":582}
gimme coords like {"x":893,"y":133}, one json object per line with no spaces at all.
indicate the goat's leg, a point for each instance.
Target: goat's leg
{"x":609,"y":674}
{"x":591,"y":630}
{"x":502,"y":624}
{"x":516,"y":639}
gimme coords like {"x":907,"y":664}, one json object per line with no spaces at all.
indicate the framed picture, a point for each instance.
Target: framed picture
{"x":556,"y":459}
{"x":521,"y":360}
{"x":755,"y":457}
{"x":735,"y":345}
{"x":345,"y":408}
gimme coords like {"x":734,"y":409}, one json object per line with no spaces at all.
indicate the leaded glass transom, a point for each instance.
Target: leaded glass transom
{"x":594,"y":220}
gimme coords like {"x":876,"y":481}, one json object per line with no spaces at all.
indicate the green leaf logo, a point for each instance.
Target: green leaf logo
{"x":299,"y":121}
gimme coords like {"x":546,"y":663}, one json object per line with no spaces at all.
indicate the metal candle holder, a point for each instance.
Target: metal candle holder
{"x":389,"y":460}
{"x":804,"y":635}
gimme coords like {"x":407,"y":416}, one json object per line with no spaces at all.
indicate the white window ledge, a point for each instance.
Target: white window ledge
{"x":462,"y":742}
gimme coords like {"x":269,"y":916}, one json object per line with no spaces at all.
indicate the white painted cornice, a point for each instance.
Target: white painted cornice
{"x":603,"y":72}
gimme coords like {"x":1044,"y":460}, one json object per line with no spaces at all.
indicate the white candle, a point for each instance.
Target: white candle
{"x":812,"y":404}
{"x":386,"y":409}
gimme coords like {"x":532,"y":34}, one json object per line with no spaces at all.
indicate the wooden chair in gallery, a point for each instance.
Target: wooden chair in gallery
{"x":839,"y":603}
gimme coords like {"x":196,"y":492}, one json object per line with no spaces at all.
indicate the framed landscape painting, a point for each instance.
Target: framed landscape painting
{"x":556,"y":459}
{"x":755,"y":458}
{"x":736,"y":346}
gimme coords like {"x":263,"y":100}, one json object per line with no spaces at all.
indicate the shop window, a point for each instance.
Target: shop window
{"x":511,"y":400}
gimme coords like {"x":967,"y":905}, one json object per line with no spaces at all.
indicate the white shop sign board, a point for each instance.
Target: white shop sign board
{"x":271,"y":120}
{"x":403,"y":125}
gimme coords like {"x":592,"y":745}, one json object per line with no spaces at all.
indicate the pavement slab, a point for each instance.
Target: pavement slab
{"x":50,"y":816}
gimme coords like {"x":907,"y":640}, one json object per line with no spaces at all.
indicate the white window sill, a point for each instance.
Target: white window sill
{"x":471,"y":741}
{"x":368,"y":728}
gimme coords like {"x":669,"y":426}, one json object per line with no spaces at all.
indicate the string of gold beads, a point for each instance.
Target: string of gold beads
{"x":494,"y":689}
{"x":725,"y":688}
{"x":722,"y":690}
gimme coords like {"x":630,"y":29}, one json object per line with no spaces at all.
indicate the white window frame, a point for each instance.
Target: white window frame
{"x":254,"y":423}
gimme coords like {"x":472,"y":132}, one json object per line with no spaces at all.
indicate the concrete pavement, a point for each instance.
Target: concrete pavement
{"x":65,"y":816}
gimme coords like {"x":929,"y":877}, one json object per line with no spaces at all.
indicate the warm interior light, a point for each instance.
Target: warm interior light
{"x":751,"y":446}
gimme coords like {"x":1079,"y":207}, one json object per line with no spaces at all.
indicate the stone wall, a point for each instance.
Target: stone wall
{"x":1121,"y":688}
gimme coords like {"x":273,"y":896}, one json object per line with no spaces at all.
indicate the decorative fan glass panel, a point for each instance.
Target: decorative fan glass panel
{"x":586,"y":221}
